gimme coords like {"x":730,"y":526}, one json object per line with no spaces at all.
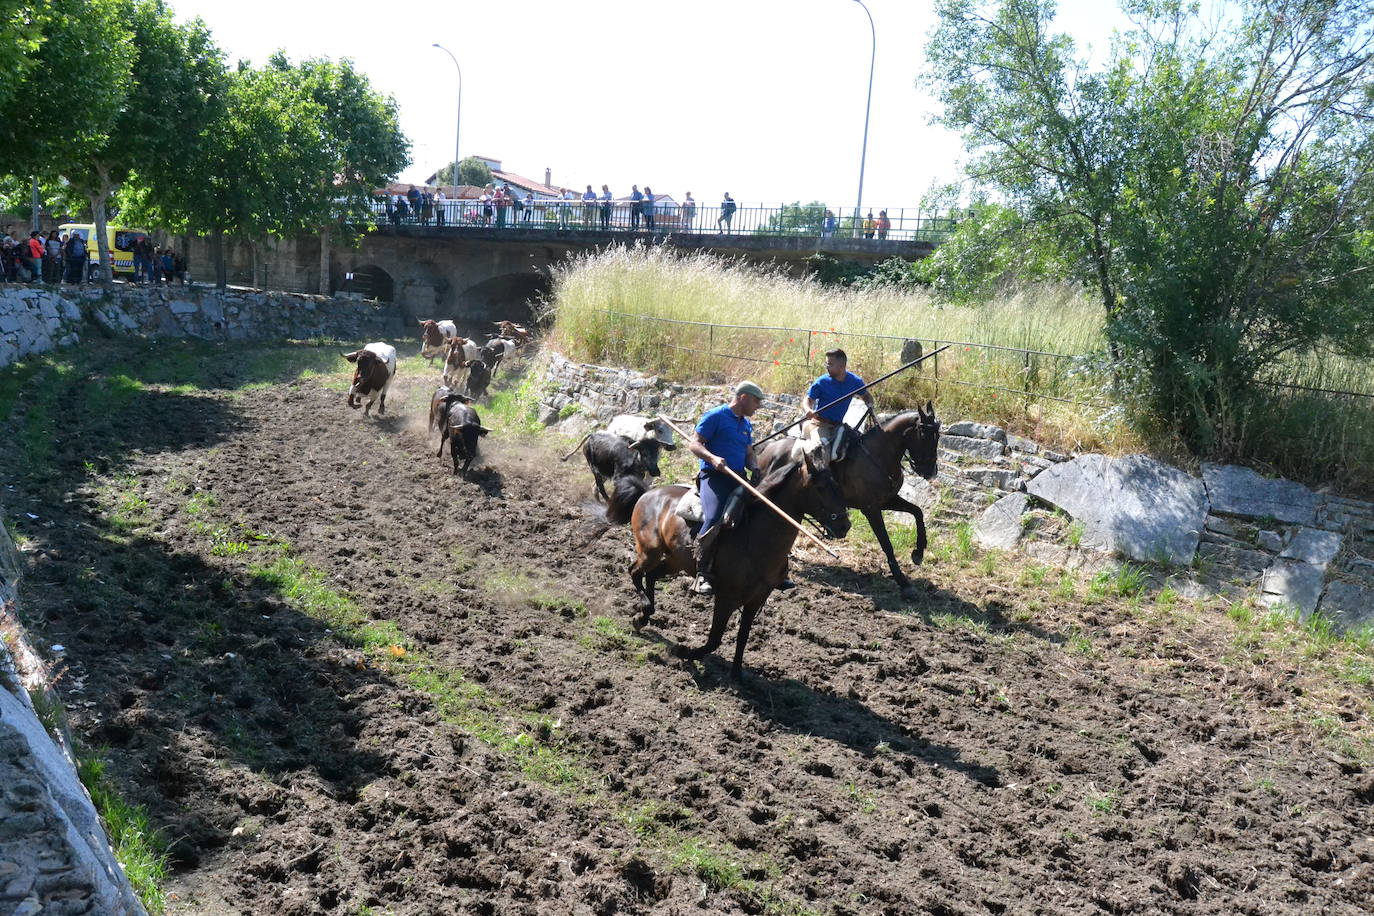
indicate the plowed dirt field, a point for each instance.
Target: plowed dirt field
{"x":343,"y":681}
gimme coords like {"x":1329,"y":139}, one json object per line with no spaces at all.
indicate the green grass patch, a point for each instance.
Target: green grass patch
{"x":13,"y":381}
{"x":140,"y":850}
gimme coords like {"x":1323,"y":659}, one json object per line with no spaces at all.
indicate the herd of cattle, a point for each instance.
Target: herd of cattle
{"x":629,"y":448}
{"x":468,"y":370}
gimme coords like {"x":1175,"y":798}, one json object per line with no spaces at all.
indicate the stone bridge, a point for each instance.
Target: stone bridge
{"x":477,"y":274}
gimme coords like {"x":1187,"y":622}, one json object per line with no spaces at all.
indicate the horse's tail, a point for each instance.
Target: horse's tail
{"x":624,"y":494}
{"x":577,"y":448}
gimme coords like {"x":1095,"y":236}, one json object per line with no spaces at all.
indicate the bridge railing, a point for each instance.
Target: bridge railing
{"x":906,"y":224}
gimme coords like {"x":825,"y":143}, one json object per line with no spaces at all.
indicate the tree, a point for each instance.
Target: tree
{"x":66,"y":65}
{"x":363,"y":145}
{"x":796,"y":219}
{"x":991,"y":249}
{"x":471,"y":171}
{"x":175,"y":68}
{"x":1211,"y":184}
{"x":257,"y":167}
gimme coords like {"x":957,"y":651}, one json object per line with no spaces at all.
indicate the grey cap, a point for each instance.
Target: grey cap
{"x":748,"y":387}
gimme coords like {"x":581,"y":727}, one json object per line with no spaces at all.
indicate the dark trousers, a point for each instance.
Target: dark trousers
{"x":715,"y":488}
{"x":76,"y":269}
{"x":605,"y":216}
{"x":636,"y":211}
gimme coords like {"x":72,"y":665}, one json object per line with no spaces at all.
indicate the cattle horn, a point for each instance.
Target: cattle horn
{"x":482,"y":430}
{"x":351,"y":357}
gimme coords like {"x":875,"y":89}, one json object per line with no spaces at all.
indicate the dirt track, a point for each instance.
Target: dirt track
{"x":992,"y":748}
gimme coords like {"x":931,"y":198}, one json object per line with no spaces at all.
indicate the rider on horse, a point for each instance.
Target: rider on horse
{"x":722,"y":438}
{"x":824,"y":430}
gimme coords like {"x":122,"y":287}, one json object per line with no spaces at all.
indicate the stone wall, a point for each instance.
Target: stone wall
{"x":54,"y":855}
{"x":36,"y":319}
{"x":1230,"y":531}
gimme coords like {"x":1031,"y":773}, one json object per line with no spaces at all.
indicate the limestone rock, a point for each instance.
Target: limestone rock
{"x":1135,"y":505}
{"x":1240,"y":491}
{"x":1294,"y":583}
{"x":999,"y":526}
{"x":977,"y":447}
{"x":977,"y":431}
{"x":1314,"y":546}
{"x":1349,"y":606}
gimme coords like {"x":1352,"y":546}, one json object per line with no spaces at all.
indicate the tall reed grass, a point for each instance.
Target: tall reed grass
{"x":700,"y":317}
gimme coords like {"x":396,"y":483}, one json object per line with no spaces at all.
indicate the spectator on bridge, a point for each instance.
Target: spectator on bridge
{"x":413,"y":200}
{"x":588,"y":207}
{"x":426,"y":207}
{"x":727,"y":212}
{"x":606,"y":206}
{"x":884,"y":224}
{"x":527,"y":207}
{"x":636,"y":207}
{"x":870,"y":225}
{"x":828,"y":225}
{"x":648,"y":209}
{"x":687,"y":213}
{"x":389,"y":208}
{"x":565,"y":204}
{"x":488,"y":195}
{"x":499,"y":201}
{"x":440,"y":202}
{"x":402,"y":211}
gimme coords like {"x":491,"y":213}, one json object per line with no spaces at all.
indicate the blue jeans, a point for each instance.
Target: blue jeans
{"x":715,"y":487}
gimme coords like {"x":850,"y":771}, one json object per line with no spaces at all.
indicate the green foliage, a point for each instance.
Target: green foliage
{"x":141,"y":850}
{"x":1211,"y":183}
{"x":798,"y":219}
{"x":992,"y":250}
{"x":50,"y":46}
{"x":471,"y":171}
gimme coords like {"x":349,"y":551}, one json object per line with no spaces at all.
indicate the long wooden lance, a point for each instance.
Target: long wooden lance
{"x":876,"y":381}
{"x":764,"y":499}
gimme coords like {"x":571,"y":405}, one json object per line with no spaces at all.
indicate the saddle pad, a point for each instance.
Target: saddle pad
{"x":689,"y":507}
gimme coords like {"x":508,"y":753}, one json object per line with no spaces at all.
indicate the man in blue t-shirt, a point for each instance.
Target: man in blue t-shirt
{"x":723,"y":438}
{"x":822,"y":427}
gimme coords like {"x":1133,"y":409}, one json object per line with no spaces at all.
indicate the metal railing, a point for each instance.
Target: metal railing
{"x":786,"y":220}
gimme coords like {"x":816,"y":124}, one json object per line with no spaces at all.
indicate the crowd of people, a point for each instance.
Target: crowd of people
{"x":64,"y":257}
{"x":500,"y":206}
{"x":57,"y":257}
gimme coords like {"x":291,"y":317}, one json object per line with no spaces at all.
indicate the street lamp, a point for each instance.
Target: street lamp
{"x":868,"y":106}
{"x":458,"y":123}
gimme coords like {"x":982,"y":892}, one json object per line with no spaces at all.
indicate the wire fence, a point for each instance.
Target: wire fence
{"x":790,"y":355}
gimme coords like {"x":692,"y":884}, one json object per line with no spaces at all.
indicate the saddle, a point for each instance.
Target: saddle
{"x":690,"y":511}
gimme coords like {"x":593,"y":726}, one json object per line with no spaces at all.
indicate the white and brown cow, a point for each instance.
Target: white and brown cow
{"x":376,"y":367}
{"x":434,"y":338}
{"x":513,"y":331}
{"x":461,"y":351}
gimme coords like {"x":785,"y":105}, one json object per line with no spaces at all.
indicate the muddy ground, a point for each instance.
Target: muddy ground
{"x":1008,"y":743}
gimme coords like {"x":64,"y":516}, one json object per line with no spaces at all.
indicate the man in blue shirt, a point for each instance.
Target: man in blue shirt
{"x":822,"y":428}
{"x":722,"y":438}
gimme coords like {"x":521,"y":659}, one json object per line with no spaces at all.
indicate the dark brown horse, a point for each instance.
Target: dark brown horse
{"x":751,"y":557}
{"x":871,"y":475}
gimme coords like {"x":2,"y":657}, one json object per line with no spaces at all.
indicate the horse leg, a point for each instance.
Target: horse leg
{"x":713,"y":639}
{"x":746,"y":623}
{"x":875,"y":521}
{"x":897,"y":504}
{"x":601,"y":494}
{"x":645,"y":573}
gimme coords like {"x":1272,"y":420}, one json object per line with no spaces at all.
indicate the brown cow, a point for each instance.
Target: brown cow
{"x":434,"y":337}
{"x":376,"y":364}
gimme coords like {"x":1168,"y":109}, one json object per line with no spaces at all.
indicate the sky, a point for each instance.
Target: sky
{"x":761,"y":98}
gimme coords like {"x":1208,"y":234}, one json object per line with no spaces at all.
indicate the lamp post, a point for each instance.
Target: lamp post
{"x":868,"y":106}
{"x":458,"y":123}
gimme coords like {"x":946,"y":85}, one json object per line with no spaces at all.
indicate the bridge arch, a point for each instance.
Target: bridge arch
{"x":370,"y":282}
{"x":508,"y":296}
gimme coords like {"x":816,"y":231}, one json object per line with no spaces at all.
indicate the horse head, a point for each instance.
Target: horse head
{"x":815,"y":492}
{"x":921,"y":441}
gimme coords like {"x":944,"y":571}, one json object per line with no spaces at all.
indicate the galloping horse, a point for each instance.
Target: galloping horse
{"x":751,"y":558}
{"x":871,"y":475}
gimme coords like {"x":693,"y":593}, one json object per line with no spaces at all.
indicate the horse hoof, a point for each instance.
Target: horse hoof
{"x":916,"y":558}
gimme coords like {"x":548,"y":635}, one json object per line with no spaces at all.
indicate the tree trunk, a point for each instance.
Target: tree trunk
{"x":253,"y":265}
{"x":324,"y":262}
{"x":102,"y":239}
{"x":217,"y":252}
